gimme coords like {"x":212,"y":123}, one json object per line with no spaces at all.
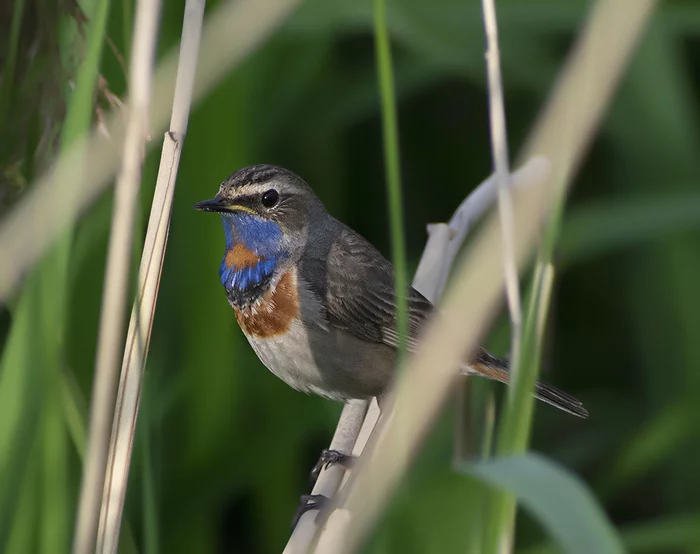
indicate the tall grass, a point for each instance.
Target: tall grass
{"x":32,"y":368}
{"x":230,"y":461}
{"x":390,"y":135}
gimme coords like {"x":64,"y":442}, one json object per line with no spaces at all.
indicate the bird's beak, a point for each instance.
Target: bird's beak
{"x":214,"y":205}
{"x":222,"y":205}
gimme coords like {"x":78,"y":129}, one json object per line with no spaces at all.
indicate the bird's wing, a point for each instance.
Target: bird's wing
{"x":360,"y":299}
{"x":360,"y":292}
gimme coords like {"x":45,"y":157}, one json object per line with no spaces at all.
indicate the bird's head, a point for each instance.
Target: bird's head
{"x":265,"y":211}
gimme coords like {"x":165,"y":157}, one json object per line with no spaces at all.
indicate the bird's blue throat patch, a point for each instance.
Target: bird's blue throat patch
{"x":253,"y":251}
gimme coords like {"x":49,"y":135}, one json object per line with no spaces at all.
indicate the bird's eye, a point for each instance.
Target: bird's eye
{"x":270,"y":198}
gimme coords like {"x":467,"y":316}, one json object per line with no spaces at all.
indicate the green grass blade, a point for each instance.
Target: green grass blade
{"x":56,"y":499}
{"x":127,"y":24}
{"x":392,"y":166}
{"x":514,"y":433}
{"x":561,"y":502}
{"x":21,"y":395}
{"x":34,"y":350}
{"x":23,"y":537}
{"x":80,"y":106}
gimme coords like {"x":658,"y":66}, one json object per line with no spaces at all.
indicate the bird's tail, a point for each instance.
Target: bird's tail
{"x":488,"y":366}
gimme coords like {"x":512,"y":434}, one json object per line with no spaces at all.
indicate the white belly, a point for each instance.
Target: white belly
{"x":327,"y":361}
{"x":289,"y":356}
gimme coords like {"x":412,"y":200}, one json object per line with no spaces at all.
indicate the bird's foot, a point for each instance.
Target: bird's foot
{"x":329,"y":458}
{"x":309,"y":502}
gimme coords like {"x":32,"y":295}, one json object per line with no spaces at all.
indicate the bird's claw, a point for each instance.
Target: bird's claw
{"x":329,"y":458}
{"x":309,"y":502}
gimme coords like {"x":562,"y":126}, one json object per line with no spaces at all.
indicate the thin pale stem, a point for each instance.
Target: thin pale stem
{"x":329,"y":479}
{"x":117,"y":278}
{"x":143,"y":311}
{"x":499,"y":151}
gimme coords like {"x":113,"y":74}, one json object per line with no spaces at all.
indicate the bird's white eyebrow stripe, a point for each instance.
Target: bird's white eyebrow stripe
{"x":250,"y":189}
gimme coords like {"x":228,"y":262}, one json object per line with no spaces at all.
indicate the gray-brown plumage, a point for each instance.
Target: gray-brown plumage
{"x":315,"y":299}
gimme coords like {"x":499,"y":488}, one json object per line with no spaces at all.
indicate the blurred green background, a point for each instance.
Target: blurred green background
{"x":223,"y":447}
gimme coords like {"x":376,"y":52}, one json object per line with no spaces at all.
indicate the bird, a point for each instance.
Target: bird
{"x":316,"y":300}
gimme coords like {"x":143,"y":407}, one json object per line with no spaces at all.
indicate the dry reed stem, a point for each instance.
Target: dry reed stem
{"x":65,"y":190}
{"x":368,"y":426}
{"x":143,"y":311}
{"x":499,"y":153}
{"x":111,"y":330}
{"x":444,"y":242}
{"x":329,"y":479}
{"x":607,"y":42}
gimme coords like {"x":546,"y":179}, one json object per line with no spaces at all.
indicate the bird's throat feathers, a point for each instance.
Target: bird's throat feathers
{"x":254,"y":249}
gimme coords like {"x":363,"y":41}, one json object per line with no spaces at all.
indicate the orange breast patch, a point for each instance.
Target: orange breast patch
{"x":274,"y":314}
{"x":240,"y":257}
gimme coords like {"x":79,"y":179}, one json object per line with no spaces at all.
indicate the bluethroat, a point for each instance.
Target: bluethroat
{"x":315,"y":299}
